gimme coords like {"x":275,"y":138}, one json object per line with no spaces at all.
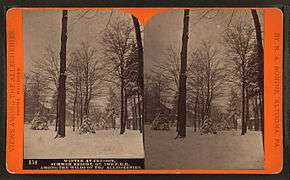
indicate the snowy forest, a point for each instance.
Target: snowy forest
{"x":83,"y":84}
{"x":197,"y":98}
{"x":204,"y":89}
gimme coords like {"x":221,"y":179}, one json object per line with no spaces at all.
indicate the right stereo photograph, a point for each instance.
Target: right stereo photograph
{"x":204,"y":89}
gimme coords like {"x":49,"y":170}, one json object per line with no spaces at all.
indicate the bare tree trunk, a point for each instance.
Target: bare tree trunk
{"x":261,"y":106}
{"x":199,"y":121}
{"x":140,"y":77}
{"x":57,"y":110}
{"x":203,"y":109}
{"x":257,"y":120}
{"x":199,"y":111}
{"x":261,"y":65}
{"x":176,"y":113}
{"x":77,"y":114}
{"x":122,"y":130}
{"x":74,"y":108}
{"x":122,"y":122}
{"x":235,"y":123}
{"x":134,"y":112}
{"x":181,"y":114}
{"x":195,"y":112}
{"x":81,"y":106}
{"x":113,"y":122}
{"x":248,"y":122}
{"x":141,"y":128}
{"x":62,"y":79}
{"x":208,"y":89}
{"x":89,"y":100}
{"x":137,"y":113}
{"x":86,"y":108}
{"x":127,"y":123}
{"x":244,"y":126}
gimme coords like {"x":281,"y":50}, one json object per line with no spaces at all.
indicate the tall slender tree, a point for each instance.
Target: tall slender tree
{"x":140,"y":70}
{"x":62,"y":77}
{"x":181,"y":111}
{"x":260,"y":55}
{"x":117,"y":43}
{"x":238,"y":39}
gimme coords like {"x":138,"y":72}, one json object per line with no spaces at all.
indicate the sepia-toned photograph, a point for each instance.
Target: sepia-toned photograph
{"x":198,"y":100}
{"x":203,"y":90}
{"x":83,"y":85}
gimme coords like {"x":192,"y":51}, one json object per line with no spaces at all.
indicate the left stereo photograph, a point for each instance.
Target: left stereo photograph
{"x":82,"y":94}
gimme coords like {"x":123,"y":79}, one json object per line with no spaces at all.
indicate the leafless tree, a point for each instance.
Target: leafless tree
{"x":86,"y":73}
{"x":260,"y":60}
{"x":206,"y":79}
{"x":138,"y":36}
{"x":181,"y":111}
{"x":48,"y":65}
{"x":117,"y":42}
{"x":62,"y":77}
{"x":35,"y":89}
{"x":169,"y":69}
{"x":239,"y":42}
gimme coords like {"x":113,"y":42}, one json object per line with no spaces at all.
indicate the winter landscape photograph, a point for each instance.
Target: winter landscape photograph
{"x":83,"y":84}
{"x":196,"y":102}
{"x":203,"y":90}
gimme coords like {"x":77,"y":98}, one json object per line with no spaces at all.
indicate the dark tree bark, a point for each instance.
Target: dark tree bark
{"x":134,"y":112}
{"x":88,"y":90}
{"x":62,"y":79}
{"x":244,"y":125}
{"x":261,"y":64}
{"x":202,"y":112}
{"x":141,"y":127}
{"x":181,"y":113}
{"x":256,"y":111}
{"x":140,"y":77}
{"x":248,"y":122}
{"x":57,"y":110}
{"x":122,"y":120}
{"x":81,"y":103}
{"x":113,"y":122}
{"x":261,"y":105}
{"x":74,"y":108}
{"x":89,"y":100}
{"x":86,"y":106}
{"x":127,"y":123}
{"x":235,"y":123}
{"x":208,"y":93}
{"x":77,"y":114}
{"x":195,"y":112}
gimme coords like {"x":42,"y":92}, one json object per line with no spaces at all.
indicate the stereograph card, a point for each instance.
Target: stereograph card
{"x":144,"y":90}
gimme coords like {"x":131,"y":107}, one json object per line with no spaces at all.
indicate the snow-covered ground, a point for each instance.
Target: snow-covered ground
{"x":41,"y":144}
{"x":226,"y":150}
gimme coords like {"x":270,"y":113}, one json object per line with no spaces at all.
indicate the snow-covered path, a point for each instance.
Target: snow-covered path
{"x":226,"y":150}
{"x":40,"y":144}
